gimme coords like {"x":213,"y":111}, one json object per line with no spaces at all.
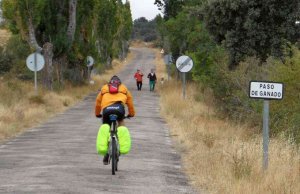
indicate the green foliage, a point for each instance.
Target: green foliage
{"x":107,"y":27}
{"x":5,"y":64}
{"x":123,"y":33}
{"x":254,"y":27}
{"x":247,"y":33}
{"x":103,"y":28}
{"x":144,"y":30}
{"x":14,"y":55}
{"x":170,"y":8}
{"x":285,"y":114}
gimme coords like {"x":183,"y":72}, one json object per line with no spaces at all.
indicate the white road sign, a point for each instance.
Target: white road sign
{"x":184,"y":64}
{"x":266,"y":90}
{"x":35,"y":58}
{"x":90,"y":61}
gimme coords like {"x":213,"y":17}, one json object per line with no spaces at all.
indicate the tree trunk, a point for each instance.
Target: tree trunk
{"x":109,"y":62}
{"x":124,"y":50}
{"x":48,"y":72}
{"x":32,"y":39}
{"x":72,"y":20}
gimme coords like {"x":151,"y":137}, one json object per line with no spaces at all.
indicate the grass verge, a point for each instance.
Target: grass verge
{"x":21,"y":109}
{"x":223,"y":157}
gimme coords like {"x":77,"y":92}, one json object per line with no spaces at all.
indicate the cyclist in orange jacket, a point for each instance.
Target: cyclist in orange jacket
{"x":111,"y":100}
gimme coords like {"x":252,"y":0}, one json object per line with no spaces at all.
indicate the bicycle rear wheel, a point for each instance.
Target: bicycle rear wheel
{"x":114,"y":156}
{"x":117,"y":159}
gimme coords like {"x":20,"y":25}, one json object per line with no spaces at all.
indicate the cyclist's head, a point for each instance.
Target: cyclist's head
{"x":115,"y":80}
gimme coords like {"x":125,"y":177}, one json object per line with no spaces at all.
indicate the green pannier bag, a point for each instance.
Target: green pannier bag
{"x":124,"y":139}
{"x":102,"y":139}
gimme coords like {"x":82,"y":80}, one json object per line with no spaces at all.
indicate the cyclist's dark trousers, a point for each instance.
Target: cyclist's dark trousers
{"x":139,"y":85}
{"x":117,"y":109}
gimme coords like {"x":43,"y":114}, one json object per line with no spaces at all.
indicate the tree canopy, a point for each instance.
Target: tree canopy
{"x":145,"y":30}
{"x":259,"y":28}
{"x":232,"y":42}
{"x":100,"y":28}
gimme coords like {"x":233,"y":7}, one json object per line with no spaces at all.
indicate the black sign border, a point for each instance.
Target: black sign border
{"x":271,"y":82}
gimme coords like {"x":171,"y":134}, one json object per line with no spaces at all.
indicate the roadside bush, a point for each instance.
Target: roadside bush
{"x":16,"y":53}
{"x":231,"y":89}
{"x":5,"y":64}
{"x":286,"y":113}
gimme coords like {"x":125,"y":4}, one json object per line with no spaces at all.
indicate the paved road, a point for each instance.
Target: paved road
{"x":60,"y":155}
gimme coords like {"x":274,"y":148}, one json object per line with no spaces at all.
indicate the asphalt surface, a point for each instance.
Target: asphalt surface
{"x":60,"y":155}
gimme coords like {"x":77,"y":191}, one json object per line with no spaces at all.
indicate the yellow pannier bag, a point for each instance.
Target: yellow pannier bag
{"x":124,"y":139}
{"x":102,"y":139}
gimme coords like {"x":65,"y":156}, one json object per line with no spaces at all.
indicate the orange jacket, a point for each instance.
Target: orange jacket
{"x":104,"y":99}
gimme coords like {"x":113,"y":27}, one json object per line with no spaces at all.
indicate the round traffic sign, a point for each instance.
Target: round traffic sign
{"x":90,"y":61}
{"x":35,"y":62}
{"x":184,"y":64}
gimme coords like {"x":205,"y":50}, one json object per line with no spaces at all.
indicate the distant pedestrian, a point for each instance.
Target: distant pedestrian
{"x":139,"y":79}
{"x":152,"y":79}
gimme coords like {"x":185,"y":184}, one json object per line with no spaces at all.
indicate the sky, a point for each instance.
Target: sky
{"x":143,"y":8}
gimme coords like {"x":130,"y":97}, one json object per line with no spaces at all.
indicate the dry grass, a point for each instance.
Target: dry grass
{"x":20,"y":108}
{"x":222,"y":157}
{"x":4,"y":36}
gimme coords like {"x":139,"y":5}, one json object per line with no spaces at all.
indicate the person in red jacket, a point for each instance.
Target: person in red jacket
{"x":139,"y":79}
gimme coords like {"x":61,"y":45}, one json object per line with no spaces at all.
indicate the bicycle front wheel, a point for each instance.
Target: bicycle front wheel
{"x":114,"y":156}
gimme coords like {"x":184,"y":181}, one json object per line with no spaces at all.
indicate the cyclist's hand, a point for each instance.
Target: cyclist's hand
{"x":129,"y":116}
{"x":99,"y":116}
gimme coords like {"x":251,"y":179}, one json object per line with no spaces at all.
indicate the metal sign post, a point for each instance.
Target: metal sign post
{"x":184,"y":64}
{"x":90,"y":63}
{"x":267,"y":91}
{"x":169,"y":72}
{"x":89,"y":73}
{"x":168,"y":62}
{"x":266,"y":134}
{"x":184,"y":84}
{"x":35,"y":62}
{"x":35,"y":74}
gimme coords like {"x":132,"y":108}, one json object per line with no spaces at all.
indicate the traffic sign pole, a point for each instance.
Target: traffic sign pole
{"x":184,"y":85}
{"x":35,"y":62}
{"x":90,"y":63}
{"x":35,"y":74}
{"x":184,"y":64}
{"x":89,"y":73}
{"x":267,"y":91}
{"x":168,"y":72}
{"x":266,"y":134}
{"x":168,"y":62}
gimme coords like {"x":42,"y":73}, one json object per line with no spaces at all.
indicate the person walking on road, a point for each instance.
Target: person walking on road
{"x":152,"y":79}
{"x":139,"y":79}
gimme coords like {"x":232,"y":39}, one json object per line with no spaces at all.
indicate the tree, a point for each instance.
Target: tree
{"x":69,"y":30}
{"x":107,"y":27}
{"x":254,"y":27}
{"x":170,"y":8}
{"x":144,"y":30}
{"x":124,"y":23}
